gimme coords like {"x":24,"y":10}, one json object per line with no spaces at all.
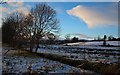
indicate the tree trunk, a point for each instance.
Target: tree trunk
{"x":31,"y":46}
{"x":37,"y":47}
{"x":104,"y":42}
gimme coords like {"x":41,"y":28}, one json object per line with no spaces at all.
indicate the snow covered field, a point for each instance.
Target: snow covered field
{"x":75,"y":52}
{"x":83,"y":56}
{"x":20,"y":64}
{"x":115,"y":43}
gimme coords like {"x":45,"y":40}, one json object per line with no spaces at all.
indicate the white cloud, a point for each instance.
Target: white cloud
{"x":15,"y":4}
{"x":22,"y":10}
{"x":18,"y":7}
{"x":96,"y":16}
{"x":13,"y":7}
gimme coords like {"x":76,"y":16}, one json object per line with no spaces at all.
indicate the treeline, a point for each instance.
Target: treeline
{"x":108,"y":38}
{"x":76,"y":39}
{"x":72,"y":40}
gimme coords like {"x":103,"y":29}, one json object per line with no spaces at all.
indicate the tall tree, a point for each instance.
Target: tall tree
{"x":8,"y":32}
{"x":31,"y":28}
{"x":44,"y":22}
{"x":75,"y":39}
{"x":15,"y":29}
{"x":104,"y":40}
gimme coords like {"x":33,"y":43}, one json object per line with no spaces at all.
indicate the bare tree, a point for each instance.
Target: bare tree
{"x":31,"y":28}
{"x":44,"y":22}
{"x":7,"y":31}
{"x":15,"y":28}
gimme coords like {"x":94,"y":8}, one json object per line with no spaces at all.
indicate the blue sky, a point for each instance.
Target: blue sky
{"x":86,"y":19}
{"x":71,"y":24}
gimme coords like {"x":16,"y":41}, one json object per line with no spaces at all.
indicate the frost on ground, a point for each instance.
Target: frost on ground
{"x":21,"y":64}
{"x":91,"y":51}
{"x":115,"y":43}
{"x":83,"y":56}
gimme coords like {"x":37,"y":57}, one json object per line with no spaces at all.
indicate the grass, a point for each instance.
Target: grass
{"x":104,"y":69}
{"x":25,"y":53}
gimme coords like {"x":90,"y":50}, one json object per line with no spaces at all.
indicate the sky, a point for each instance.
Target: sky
{"x":81,"y":19}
